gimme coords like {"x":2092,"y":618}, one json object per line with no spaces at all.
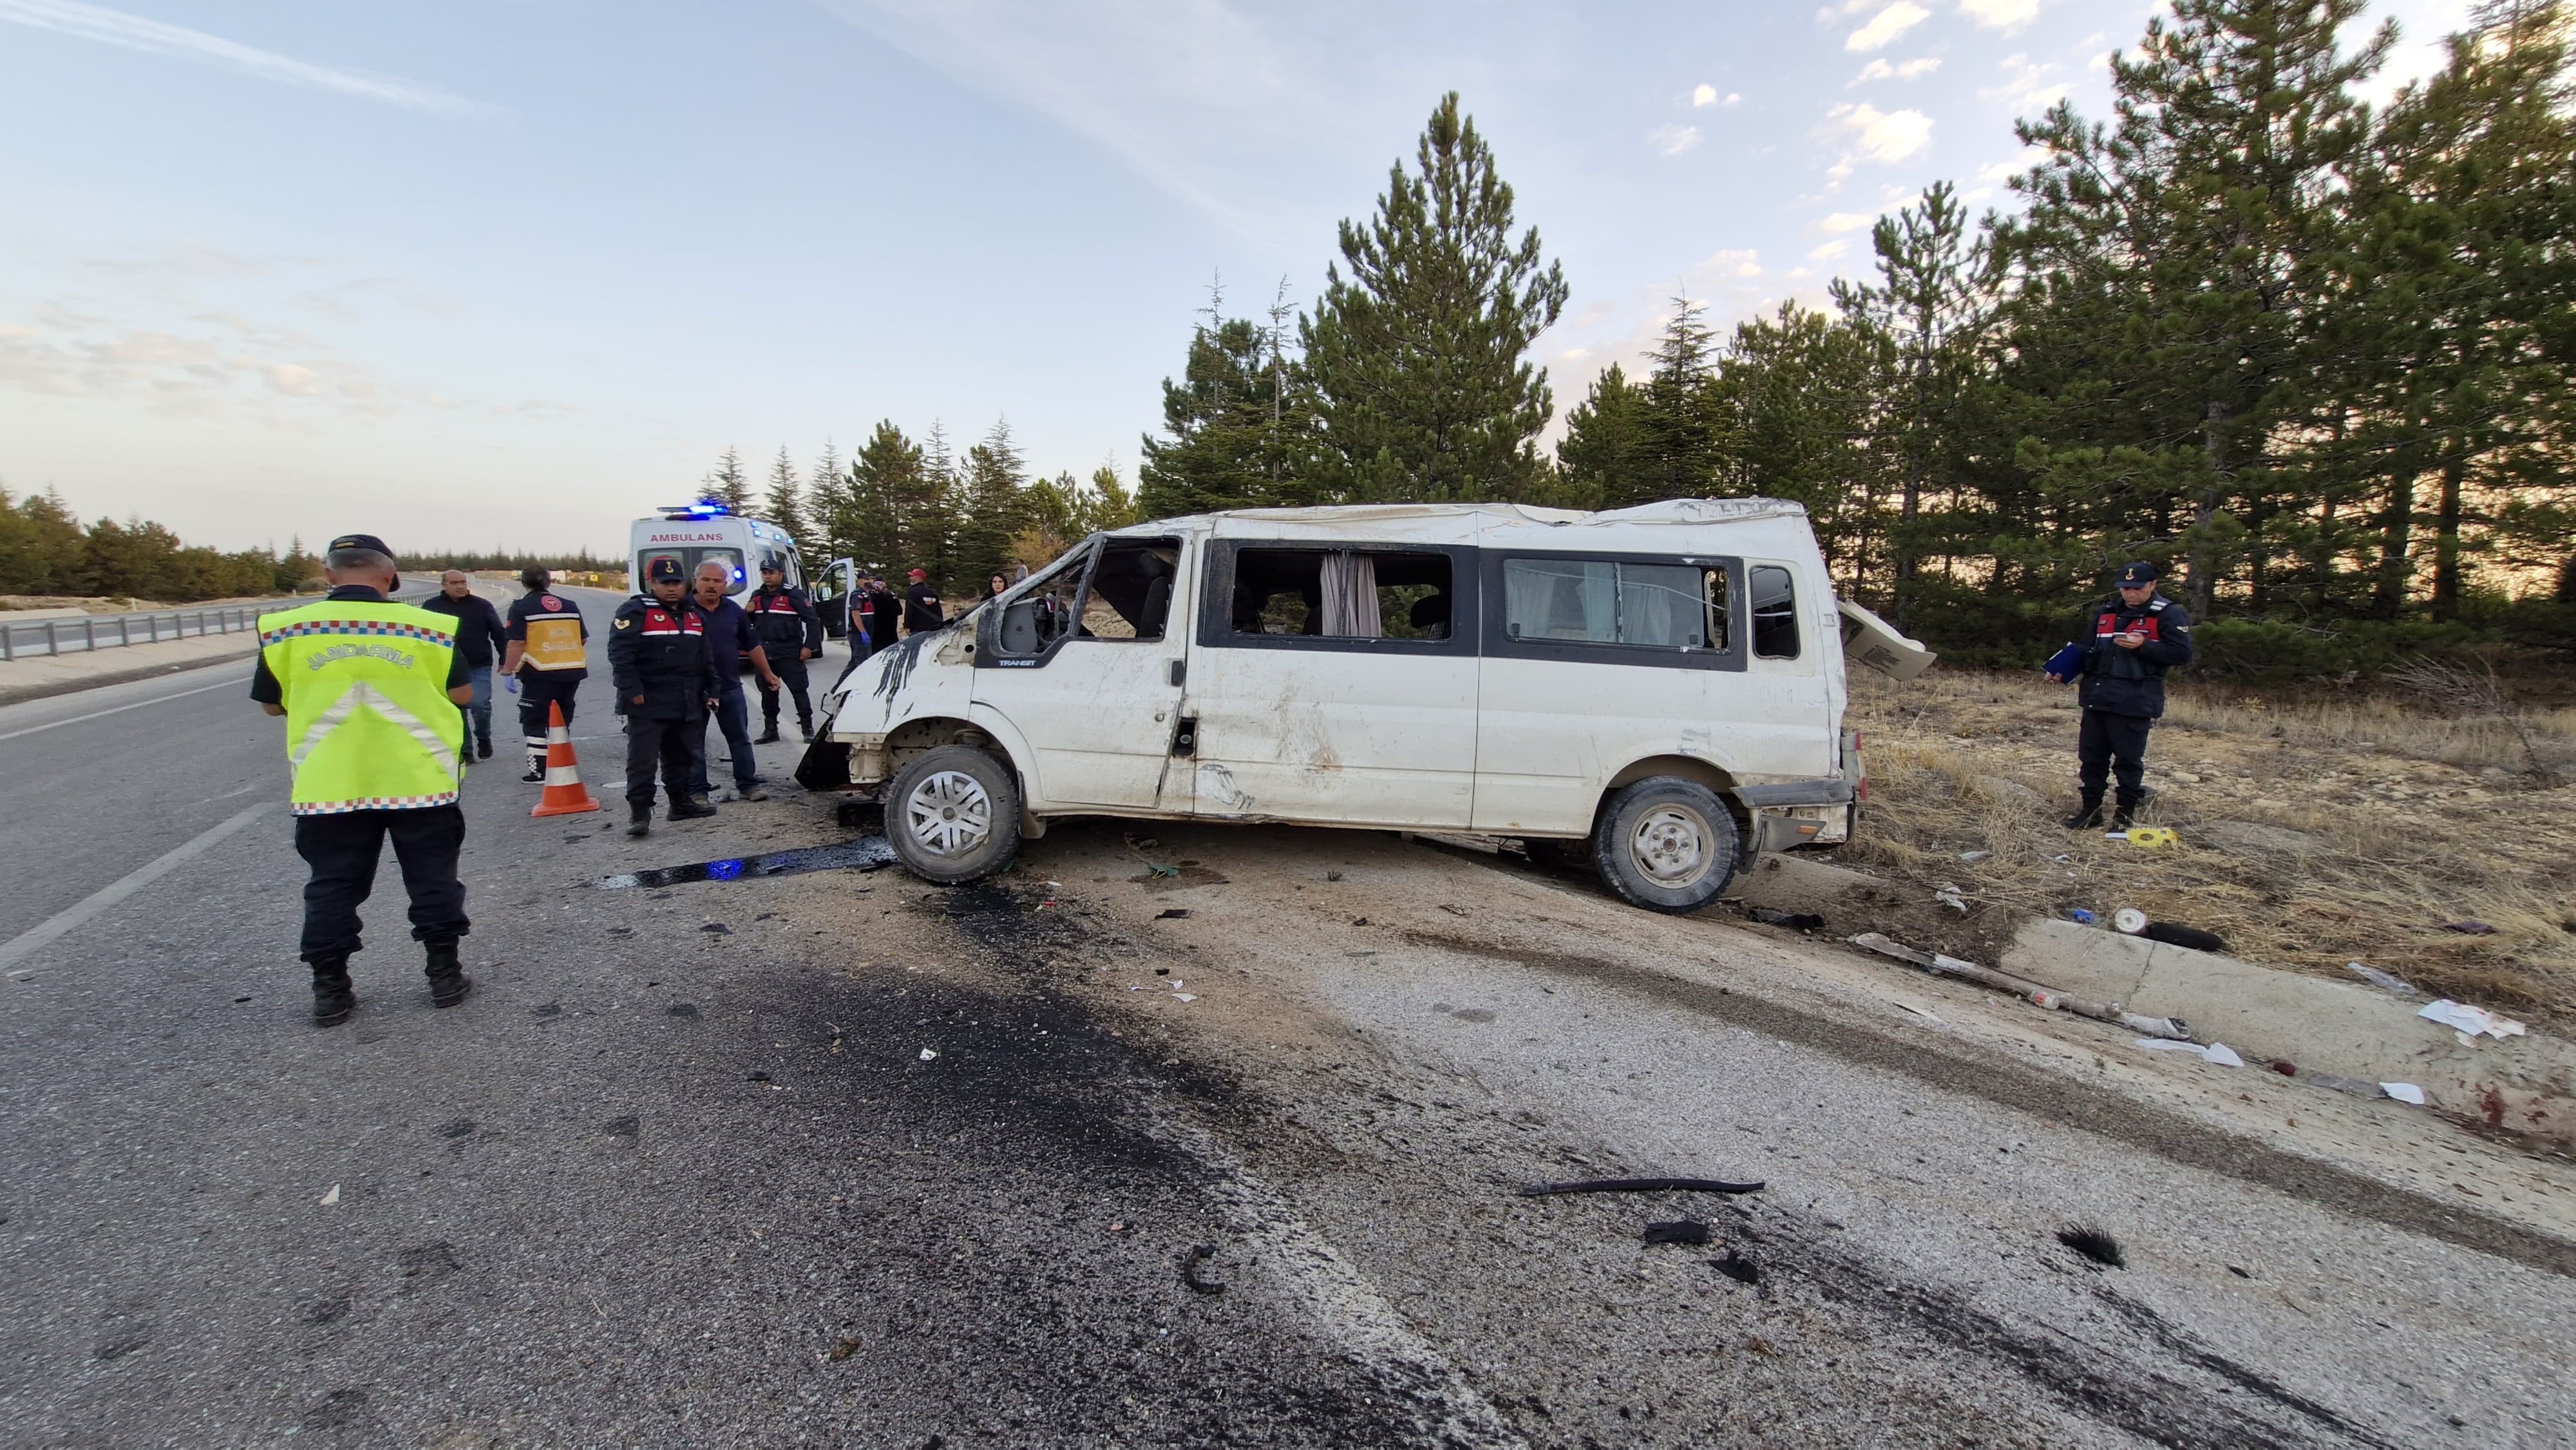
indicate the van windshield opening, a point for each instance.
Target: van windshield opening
{"x":1342,"y":593}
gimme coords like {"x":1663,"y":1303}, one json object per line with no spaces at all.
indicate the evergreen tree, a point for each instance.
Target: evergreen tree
{"x":1240,"y":422}
{"x":1418,"y":358}
{"x":727,"y":485}
{"x":1795,"y":389}
{"x":995,"y":510}
{"x":830,"y":510}
{"x":1108,"y":504}
{"x":785,"y":505}
{"x":932,"y":540}
{"x":1604,"y":448}
{"x":894,"y":521}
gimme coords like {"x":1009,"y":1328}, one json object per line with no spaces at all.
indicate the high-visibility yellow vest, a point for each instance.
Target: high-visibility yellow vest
{"x":368,"y":722}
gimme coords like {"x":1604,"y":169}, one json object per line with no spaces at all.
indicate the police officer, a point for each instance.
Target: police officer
{"x":791,"y":632}
{"x":2125,"y":644}
{"x":657,"y":656}
{"x":545,"y":642}
{"x":375,"y":744}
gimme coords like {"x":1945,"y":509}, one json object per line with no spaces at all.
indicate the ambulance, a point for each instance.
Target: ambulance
{"x":703,"y":533}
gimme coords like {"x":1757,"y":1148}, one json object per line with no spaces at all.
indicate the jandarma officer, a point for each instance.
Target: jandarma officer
{"x":2121,"y":651}
{"x":369,"y":690}
{"x":665,"y":681}
{"x":791,"y":632}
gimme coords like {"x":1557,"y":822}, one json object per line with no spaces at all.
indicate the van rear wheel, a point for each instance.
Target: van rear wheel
{"x":1666,"y":844}
{"x":953,"y":815}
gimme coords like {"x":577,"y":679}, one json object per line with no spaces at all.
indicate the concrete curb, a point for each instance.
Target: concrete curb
{"x":2523,"y":1086}
{"x":47,"y":689}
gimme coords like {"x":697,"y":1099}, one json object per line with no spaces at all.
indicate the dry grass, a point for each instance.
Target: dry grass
{"x":2316,"y":831}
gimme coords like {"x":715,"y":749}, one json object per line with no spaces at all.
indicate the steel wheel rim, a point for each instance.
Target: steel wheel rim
{"x":949,"y":813}
{"x":1672,"y":846}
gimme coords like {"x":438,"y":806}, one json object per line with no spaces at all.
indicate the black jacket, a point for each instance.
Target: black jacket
{"x":787,"y":621}
{"x":658,"y":655}
{"x":875,"y":611}
{"x":479,"y":635}
{"x":921,"y":611}
{"x":2131,"y":681}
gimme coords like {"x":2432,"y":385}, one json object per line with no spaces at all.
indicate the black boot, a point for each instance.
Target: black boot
{"x":333,"y":998}
{"x":640,"y":818}
{"x":2126,"y":815}
{"x":483,"y":748}
{"x":808,"y":727}
{"x":448,"y":983}
{"x":2087,"y":813}
{"x":694,"y":808}
{"x":768,"y":734}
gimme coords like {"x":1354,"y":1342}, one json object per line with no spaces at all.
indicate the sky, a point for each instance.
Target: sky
{"x":509,"y":273}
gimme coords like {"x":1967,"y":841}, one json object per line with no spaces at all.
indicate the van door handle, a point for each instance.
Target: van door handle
{"x":1180,"y":671}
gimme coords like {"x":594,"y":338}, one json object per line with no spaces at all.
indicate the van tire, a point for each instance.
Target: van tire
{"x":953,"y":815}
{"x":1666,"y":844}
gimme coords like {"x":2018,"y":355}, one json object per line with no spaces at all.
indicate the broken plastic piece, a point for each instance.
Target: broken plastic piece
{"x":2217,"y":1052}
{"x":2470,"y":1021}
{"x":1638,"y":1185}
{"x":2383,"y":981}
{"x":1794,"y":920}
{"x":2093,"y":1243}
{"x":2404,"y":1092}
{"x":1199,"y":1254}
{"x":1680,"y":1231}
{"x":2191,"y":937}
{"x":2086,"y":917}
{"x":1951,"y":897}
{"x":1737,"y":1267}
{"x":1171,"y":913}
{"x":2129,"y":921}
{"x":927,"y":1054}
{"x":2469,"y":928}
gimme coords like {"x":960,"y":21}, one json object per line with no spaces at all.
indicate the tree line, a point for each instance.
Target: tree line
{"x":2309,"y":356}
{"x":45,"y":549}
{"x":897,"y":504}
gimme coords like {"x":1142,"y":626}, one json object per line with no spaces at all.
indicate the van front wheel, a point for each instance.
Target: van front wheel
{"x":953,"y":815}
{"x":1666,"y":844}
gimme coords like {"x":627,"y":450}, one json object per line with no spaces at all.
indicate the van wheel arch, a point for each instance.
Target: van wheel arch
{"x":1682,"y":767}
{"x":915,"y":738}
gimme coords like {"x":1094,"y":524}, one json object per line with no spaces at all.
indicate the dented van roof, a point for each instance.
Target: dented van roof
{"x":1682,"y":524}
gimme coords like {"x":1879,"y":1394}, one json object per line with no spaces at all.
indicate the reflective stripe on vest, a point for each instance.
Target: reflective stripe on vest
{"x":368,"y":722}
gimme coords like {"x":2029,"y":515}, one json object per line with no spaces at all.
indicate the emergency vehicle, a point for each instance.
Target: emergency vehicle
{"x":700,"y":533}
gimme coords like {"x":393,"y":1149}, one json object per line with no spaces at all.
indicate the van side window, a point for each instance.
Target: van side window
{"x":1342,"y":593}
{"x":1131,"y":589}
{"x":1775,"y":613}
{"x":1600,"y":601}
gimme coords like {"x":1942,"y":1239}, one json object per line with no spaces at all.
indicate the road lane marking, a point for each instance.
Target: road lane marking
{"x":121,"y":709}
{"x":43,"y":933}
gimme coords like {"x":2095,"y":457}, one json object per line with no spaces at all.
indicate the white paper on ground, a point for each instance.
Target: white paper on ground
{"x":2404,"y":1092}
{"x":2470,"y":1020}
{"x":2216,"y":1052}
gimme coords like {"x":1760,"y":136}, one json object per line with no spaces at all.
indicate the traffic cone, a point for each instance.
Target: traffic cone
{"x":565,"y":795}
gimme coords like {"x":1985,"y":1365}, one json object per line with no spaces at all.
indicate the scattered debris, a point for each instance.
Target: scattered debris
{"x":2470,"y":1021}
{"x":716,"y":928}
{"x":2093,"y":1243}
{"x":1923,"y":1012}
{"x":1793,"y":920}
{"x":2217,"y":1052}
{"x":928,"y":1055}
{"x":2357,"y":1086}
{"x":842,"y":1349}
{"x":1974,"y":855}
{"x":1680,"y":1231}
{"x":681,"y":1009}
{"x":2404,"y":1092}
{"x":331,"y":1197}
{"x":1199,"y":1254}
{"x":2383,"y":981}
{"x":1332,"y":875}
{"x":1951,"y":897}
{"x":1638,"y":1185}
{"x":2128,"y":921}
{"x":2240,"y":1273}
{"x":1171,"y":913}
{"x":2469,"y":928}
{"x":868,"y":853}
{"x":1737,"y":1267}
{"x":1455,"y":910}
{"x":2190,"y":937}
{"x":2029,"y":991}
{"x":2086,"y":917}
{"x":1185,"y":996}
{"x":2151,"y":838}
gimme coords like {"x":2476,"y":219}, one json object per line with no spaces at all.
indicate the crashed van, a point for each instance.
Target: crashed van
{"x":1663,"y":685}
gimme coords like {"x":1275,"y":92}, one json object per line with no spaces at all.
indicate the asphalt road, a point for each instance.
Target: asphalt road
{"x":837,"y":1158}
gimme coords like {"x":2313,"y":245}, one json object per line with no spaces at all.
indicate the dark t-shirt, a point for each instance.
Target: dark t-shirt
{"x":921,"y":609}
{"x":265,"y":689}
{"x":478,"y":626}
{"x":730,"y":636}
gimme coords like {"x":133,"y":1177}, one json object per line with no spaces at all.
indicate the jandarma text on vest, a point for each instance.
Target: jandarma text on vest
{"x":336,"y":652}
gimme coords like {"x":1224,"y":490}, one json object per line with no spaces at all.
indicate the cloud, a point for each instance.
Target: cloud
{"x":1884,"y":27}
{"x":1880,"y":70}
{"x":293,"y":379}
{"x":1829,"y":251}
{"x":1703,"y":95}
{"x":1845,"y":221}
{"x":2000,"y":14}
{"x":2026,"y":85}
{"x":1673,"y":140}
{"x":133,"y":32}
{"x":1875,"y":135}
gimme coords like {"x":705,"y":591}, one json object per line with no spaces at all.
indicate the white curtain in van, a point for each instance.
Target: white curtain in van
{"x":1350,"y":596}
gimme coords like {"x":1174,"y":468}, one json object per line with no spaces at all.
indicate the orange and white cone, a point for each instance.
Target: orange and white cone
{"x":565,"y":795}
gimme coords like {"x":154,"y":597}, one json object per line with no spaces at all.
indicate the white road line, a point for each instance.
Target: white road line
{"x":43,"y":933}
{"x":121,"y":709}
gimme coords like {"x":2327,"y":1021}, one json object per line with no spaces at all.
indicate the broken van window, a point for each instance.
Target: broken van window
{"x":1602,"y":601}
{"x":1342,"y":593}
{"x":1775,"y":613}
{"x":1131,"y":589}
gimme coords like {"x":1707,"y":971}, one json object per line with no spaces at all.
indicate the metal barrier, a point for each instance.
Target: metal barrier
{"x":23,"y":638}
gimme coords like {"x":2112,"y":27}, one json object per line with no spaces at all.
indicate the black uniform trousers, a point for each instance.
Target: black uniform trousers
{"x":343,"y":847}
{"x":2109,"y":744}
{"x":537,"y":690}
{"x":791,"y":673}
{"x":677,"y":746}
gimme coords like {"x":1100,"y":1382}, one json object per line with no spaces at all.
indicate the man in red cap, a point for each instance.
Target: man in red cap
{"x":921,"y":611}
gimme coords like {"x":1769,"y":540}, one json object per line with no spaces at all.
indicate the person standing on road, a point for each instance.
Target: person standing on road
{"x":880,"y":613}
{"x":921,"y":609}
{"x":374,"y":741}
{"x":2125,"y":644}
{"x":658,"y":660}
{"x":546,"y":641}
{"x":791,"y":632}
{"x":478,"y":643}
{"x":730,"y":640}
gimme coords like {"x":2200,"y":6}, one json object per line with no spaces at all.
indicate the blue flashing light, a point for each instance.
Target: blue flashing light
{"x":703,"y":509}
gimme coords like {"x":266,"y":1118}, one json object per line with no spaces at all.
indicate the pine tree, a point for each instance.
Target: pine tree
{"x":830,"y":509}
{"x":893,"y":521}
{"x":727,"y":485}
{"x":1795,"y":390}
{"x":996,"y":479}
{"x":785,"y":505}
{"x":1418,"y":359}
{"x":1602,"y":454}
{"x":930,"y":543}
{"x":1240,"y":424}
{"x":1107,"y":504}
